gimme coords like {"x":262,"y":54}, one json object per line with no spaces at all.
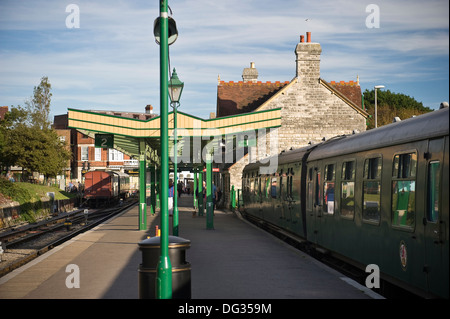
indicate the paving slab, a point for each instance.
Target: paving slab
{"x":235,"y":260}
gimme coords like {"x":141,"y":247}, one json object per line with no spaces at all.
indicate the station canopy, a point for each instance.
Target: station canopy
{"x":131,"y":135}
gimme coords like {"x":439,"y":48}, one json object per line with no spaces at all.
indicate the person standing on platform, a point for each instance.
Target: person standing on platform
{"x":171,"y":193}
{"x":179,"y":188}
{"x":204,"y":193}
{"x":219,"y":196}
{"x":214,"y":188}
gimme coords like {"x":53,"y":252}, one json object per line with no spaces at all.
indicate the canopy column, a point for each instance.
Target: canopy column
{"x":195,"y":187}
{"x":209,"y":193}
{"x":142,"y":187}
{"x":152,"y":189}
{"x":200,"y":192}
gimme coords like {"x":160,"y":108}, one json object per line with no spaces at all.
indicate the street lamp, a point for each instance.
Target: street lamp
{"x":162,"y":34}
{"x":375,"y":88}
{"x":175,"y":89}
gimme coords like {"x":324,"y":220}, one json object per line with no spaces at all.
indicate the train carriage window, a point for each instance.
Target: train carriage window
{"x":328,"y":189}
{"x":260,"y":185}
{"x":310,"y":186}
{"x":318,"y":189}
{"x":273,"y":187}
{"x":267,"y":187}
{"x":404,"y":165}
{"x":289,"y":185}
{"x":404,"y":190}
{"x":348,"y":190}
{"x":433,"y":191}
{"x":372,"y":189}
{"x":280,"y":191}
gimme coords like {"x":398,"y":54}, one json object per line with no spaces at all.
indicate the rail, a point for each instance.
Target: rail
{"x":24,"y":245}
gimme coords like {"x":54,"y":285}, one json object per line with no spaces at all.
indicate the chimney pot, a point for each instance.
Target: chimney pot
{"x":302,"y":39}
{"x":250,"y":74}
{"x":308,"y":37}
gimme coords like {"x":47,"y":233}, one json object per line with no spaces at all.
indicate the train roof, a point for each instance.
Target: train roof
{"x":282,"y":158}
{"x":109,"y":172}
{"x":97,"y":172}
{"x":429,"y":125}
{"x":120,"y":174}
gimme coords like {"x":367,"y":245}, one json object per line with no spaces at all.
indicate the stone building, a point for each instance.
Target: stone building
{"x":312,"y":109}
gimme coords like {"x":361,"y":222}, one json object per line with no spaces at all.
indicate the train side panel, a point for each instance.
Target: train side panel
{"x":276,"y":198}
{"x":105,"y":186}
{"x":399,"y":216}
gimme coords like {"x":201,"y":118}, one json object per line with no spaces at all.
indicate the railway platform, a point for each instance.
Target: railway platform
{"x":236,"y":260}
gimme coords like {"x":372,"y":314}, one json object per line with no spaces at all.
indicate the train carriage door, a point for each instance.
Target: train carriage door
{"x":283,"y":195}
{"x":314,"y":202}
{"x":435,"y":220}
{"x":290,"y":214}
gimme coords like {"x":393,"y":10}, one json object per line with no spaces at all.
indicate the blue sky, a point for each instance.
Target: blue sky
{"x":112,"y":61}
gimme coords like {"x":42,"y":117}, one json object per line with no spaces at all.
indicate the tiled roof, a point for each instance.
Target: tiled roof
{"x":351,"y":90}
{"x":243,"y":97}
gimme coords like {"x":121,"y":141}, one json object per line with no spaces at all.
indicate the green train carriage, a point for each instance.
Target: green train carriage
{"x":378,"y":197}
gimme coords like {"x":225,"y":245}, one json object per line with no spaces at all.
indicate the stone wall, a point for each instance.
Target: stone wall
{"x":312,"y":113}
{"x":310,"y":109}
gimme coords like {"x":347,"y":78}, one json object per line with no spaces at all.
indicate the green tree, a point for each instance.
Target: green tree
{"x":40,"y":151}
{"x":39,"y":105}
{"x":14,"y":119}
{"x":391,"y":105}
{"x":27,"y":139}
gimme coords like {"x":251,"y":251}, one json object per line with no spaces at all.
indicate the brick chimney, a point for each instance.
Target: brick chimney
{"x":308,"y":61}
{"x":250,"y":74}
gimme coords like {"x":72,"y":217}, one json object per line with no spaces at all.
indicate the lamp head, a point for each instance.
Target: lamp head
{"x":175,"y":87}
{"x":173,"y":32}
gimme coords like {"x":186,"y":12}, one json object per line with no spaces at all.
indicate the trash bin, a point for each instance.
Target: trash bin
{"x":181,"y":269}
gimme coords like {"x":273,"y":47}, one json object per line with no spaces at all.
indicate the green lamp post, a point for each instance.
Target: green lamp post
{"x":166,"y":33}
{"x":175,"y":89}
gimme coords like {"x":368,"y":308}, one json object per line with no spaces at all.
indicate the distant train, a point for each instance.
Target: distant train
{"x":102,"y":187}
{"x":378,"y":197}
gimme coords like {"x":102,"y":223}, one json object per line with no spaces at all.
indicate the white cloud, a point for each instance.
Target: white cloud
{"x":112,"y":60}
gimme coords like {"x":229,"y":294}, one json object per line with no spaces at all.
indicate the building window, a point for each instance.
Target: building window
{"x":404,"y":190}
{"x":84,"y":153}
{"x":348,"y":190}
{"x":115,"y":155}
{"x":98,"y":154}
{"x":372,"y":189}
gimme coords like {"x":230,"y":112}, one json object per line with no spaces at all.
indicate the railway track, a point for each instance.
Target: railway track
{"x":26,"y":243}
